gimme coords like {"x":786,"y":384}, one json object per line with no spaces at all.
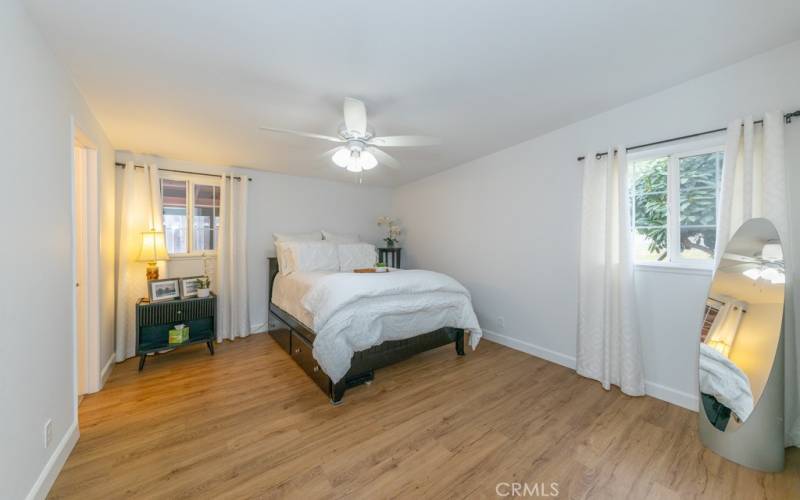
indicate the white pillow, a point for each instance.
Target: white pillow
{"x":356,"y":256}
{"x":340,"y":237}
{"x":308,"y":256}
{"x":312,"y":236}
{"x":282,"y":253}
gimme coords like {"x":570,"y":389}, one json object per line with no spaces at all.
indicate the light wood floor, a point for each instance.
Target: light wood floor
{"x":248,"y":423}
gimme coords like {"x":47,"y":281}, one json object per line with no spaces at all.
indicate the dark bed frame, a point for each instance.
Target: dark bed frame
{"x":298,"y":340}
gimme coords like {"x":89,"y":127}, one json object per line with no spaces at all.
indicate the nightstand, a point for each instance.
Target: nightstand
{"x":393,"y":252}
{"x":154,"y":320}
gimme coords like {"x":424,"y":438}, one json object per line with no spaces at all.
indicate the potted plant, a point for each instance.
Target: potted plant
{"x":203,"y":286}
{"x":204,"y":282}
{"x":380,"y":267}
{"x":393,"y":230}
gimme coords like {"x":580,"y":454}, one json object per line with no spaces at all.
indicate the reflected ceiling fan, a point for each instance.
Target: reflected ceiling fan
{"x":767,"y":265}
{"x":359,"y":148}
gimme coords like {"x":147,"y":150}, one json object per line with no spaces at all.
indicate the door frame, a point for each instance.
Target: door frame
{"x":90,"y":281}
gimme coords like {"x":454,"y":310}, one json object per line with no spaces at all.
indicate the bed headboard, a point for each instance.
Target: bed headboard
{"x":272,"y":271}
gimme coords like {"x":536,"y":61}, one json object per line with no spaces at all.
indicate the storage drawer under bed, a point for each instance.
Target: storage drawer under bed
{"x":283,"y":337}
{"x":297,"y":340}
{"x":303,"y":356}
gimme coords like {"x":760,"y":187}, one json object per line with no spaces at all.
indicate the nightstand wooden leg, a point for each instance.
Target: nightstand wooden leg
{"x":210,"y":345}
{"x":142,"y":359}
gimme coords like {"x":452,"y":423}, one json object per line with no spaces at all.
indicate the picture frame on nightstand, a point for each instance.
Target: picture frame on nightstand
{"x":161,"y":290}
{"x":189,"y":286}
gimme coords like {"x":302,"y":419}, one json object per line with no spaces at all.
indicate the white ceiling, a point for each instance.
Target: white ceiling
{"x":193,"y":80}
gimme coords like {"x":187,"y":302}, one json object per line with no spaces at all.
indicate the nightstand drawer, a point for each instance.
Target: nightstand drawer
{"x":172,"y":312}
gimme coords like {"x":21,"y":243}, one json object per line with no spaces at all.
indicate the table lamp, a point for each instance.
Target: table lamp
{"x":153,"y":250}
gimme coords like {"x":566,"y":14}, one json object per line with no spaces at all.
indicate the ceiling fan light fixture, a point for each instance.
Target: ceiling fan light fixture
{"x":341,"y":158}
{"x":753,"y":273}
{"x":780,"y":279}
{"x":770,"y":274}
{"x":772,"y":252}
{"x":367,"y":161}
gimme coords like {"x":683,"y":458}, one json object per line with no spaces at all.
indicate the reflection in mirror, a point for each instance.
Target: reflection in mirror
{"x":741,"y":325}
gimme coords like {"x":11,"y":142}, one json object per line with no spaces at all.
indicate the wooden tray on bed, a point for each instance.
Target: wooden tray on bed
{"x":370,"y":270}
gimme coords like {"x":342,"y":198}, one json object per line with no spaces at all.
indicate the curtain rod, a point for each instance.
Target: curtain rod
{"x":787,"y":118}
{"x":187,"y":172}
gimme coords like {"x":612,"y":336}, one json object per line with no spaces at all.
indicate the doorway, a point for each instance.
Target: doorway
{"x":86,"y":252}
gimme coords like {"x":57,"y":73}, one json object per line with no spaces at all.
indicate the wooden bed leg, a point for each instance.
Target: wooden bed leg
{"x":460,"y":342}
{"x":337,"y":392}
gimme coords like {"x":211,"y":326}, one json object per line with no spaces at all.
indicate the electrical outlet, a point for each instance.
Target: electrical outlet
{"x":501,"y":323}
{"x":48,"y":432}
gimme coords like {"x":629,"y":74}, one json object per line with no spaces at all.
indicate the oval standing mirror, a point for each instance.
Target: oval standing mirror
{"x":742,"y":325}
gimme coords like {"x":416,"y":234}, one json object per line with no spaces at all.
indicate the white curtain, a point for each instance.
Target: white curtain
{"x":754,"y":185}
{"x":233,"y":313}
{"x":725,"y":327}
{"x":609,"y":347}
{"x":139,"y":199}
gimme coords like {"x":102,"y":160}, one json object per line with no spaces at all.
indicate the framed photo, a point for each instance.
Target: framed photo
{"x":189,"y":287}
{"x":167,"y":289}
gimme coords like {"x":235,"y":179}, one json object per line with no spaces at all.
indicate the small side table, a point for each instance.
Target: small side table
{"x":155,"y":319}
{"x":393,"y":252}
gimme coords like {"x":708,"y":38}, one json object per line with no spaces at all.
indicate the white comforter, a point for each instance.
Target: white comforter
{"x":353,"y":312}
{"x":721,"y":378}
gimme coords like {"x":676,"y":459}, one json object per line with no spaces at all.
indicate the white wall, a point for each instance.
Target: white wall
{"x":507,"y":225}
{"x":284,"y":203}
{"x":36,"y":353}
{"x":753,"y":349}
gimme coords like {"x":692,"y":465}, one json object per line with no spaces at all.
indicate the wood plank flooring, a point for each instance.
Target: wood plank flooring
{"x":248,"y":423}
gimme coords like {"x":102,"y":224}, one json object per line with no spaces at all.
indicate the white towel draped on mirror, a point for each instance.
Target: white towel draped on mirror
{"x":609,"y":347}
{"x":754,"y":185}
{"x":139,"y":198}
{"x":233,"y":313}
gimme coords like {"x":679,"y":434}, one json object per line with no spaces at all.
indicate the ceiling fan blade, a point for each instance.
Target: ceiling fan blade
{"x":330,"y":152}
{"x":355,"y":116}
{"x":402,"y":141}
{"x":741,"y":258}
{"x":303,"y":134}
{"x":383,"y":158}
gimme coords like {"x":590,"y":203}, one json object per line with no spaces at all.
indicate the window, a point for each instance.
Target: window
{"x":190,"y":204}
{"x":712,"y":311}
{"x":674,"y":206}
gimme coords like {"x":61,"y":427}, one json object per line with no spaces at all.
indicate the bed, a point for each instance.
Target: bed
{"x":293,"y":330}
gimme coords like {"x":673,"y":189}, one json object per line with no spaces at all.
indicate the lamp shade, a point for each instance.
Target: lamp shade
{"x":153,"y":247}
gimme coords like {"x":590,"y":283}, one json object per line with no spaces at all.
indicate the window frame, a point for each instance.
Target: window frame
{"x":191,"y":180}
{"x":674,"y":153}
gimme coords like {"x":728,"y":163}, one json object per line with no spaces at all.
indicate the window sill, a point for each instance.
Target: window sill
{"x":674,"y":269}
{"x":193,"y":256}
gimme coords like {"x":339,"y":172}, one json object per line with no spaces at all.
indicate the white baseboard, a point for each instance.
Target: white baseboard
{"x":658,"y":391}
{"x":259,"y":328}
{"x":106,"y":371}
{"x":53,"y":467}
{"x":532,"y":349}
{"x":670,"y":395}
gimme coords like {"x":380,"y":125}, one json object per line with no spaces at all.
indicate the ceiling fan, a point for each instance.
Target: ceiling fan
{"x":359,"y":148}
{"x":766,"y":265}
